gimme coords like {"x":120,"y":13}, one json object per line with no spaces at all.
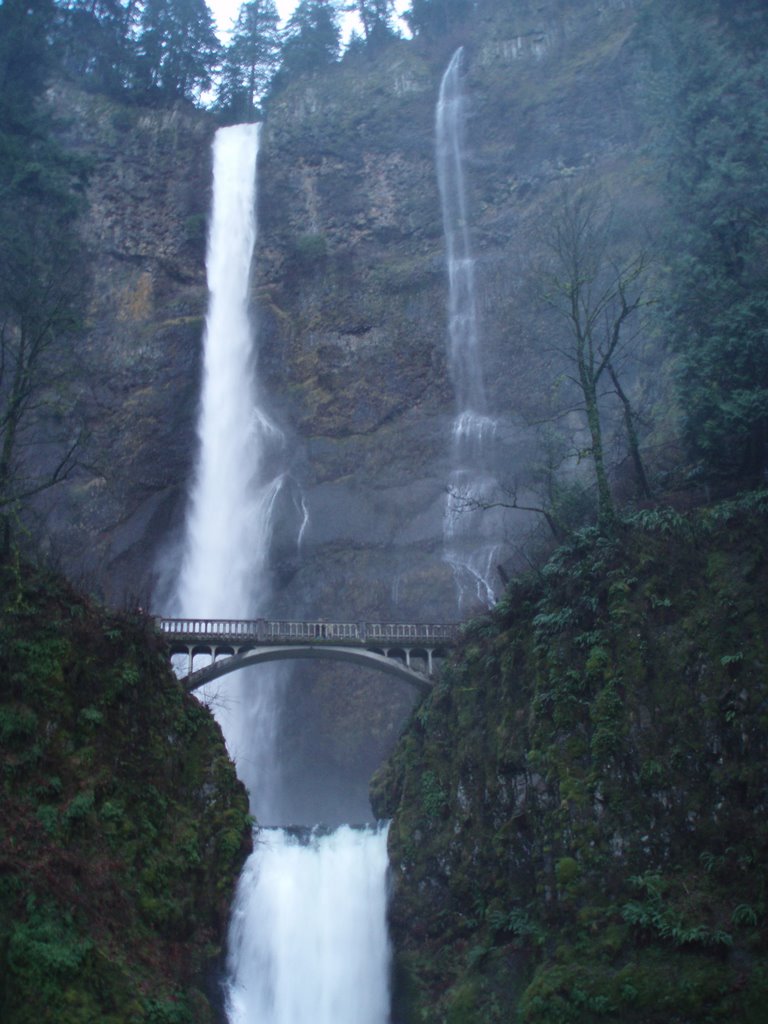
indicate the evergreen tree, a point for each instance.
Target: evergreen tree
{"x":716,"y":152}
{"x":25,"y":63}
{"x":432,"y":18}
{"x":178,"y":48}
{"x":251,"y":59}
{"x":376,"y":19}
{"x":40,"y":284}
{"x":312,"y":37}
{"x":96,"y":41}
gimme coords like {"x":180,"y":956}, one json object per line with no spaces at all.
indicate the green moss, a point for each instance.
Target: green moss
{"x":601,"y":750}
{"x":122,"y":824}
{"x":566,"y":870}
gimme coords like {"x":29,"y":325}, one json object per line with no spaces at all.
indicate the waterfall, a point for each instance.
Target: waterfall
{"x":308,"y":938}
{"x":229,"y":521}
{"x":471,"y":532}
{"x":308,"y":941}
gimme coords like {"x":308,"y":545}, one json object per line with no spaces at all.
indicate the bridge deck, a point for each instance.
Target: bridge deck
{"x":282,"y":631}
{"x":397,"y":648}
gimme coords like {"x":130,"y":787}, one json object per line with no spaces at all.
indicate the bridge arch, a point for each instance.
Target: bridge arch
{"x":402,"y":649}
{"x":390,"y":665}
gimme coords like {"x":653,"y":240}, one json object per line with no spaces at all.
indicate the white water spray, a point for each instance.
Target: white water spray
{"x":470,"y":533}
{"x":308,"y":938}
{"x":308,"y":941}
{"x":229,"y":521}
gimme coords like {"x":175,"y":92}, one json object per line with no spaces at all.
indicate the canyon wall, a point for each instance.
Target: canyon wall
{"x":349,"y":294}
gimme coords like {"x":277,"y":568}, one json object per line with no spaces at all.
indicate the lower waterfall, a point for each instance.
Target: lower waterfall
{"x":308,"y":940}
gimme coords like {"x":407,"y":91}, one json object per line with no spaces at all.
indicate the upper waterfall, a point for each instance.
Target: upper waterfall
{"x":238,"y":475}
{"x":228,"y":523}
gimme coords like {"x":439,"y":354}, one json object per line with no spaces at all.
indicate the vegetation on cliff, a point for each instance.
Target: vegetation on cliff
{"x":709,"y":70}
{"x":122,"y":823}
{"x":578,"y":832}
{"x":41,"y":287}
{"x":579,"y":807}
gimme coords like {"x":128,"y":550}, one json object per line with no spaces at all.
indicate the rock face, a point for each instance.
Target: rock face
{"x":144,"y":238}
{"x":353,"y":286}
{"x":350,"y":299}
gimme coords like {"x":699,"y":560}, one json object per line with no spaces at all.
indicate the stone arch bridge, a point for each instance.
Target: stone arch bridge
{"x":409,"y":651}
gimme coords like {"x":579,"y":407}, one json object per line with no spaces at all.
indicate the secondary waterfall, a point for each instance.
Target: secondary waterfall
{"x":471,"y":532}
{"x":308,"y":941}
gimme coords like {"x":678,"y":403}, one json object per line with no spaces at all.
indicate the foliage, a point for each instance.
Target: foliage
{"x":312,"y":38}
{"x":177,"y":49}
{"x":122,"y":824}
{"x":250,"y":60}
{"x":41,"y":283}
{"x":578,"y":831}
{"x":95,"y":42}
{"x":713,"y":143}
{"x":434,"y":18}
{"x":376,"y":19}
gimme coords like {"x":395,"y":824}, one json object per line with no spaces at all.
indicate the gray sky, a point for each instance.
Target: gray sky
{"x":225,"y":12}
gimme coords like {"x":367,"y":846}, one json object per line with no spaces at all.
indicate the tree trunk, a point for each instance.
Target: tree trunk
{"x":643,"y":488}
{"x":606,"y":513}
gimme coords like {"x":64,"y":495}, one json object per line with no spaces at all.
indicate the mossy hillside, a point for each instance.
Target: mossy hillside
{"x":122,"y":823}
{"x":579,"y":808}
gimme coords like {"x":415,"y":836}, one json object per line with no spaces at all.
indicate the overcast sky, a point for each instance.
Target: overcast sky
{"x":225,"y":12}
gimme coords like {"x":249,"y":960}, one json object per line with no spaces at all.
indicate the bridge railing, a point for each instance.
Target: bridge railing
{"x":410,"y":631}
{"x":292,"y":630}
{"x":222,"y":629}
{"x":311,"y":630}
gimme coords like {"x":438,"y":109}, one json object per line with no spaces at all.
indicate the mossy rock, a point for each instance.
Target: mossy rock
{"x":123,"y":826}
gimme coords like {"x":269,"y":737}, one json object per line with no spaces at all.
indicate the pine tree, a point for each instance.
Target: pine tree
{"x":312,"y":37}
{"x":251,"y":60}
{"x":178,"y":48}
{"x":715,"y":146}
{"x":96,"y":42}
{"x":376,"y":19}
{"x":437,"y":17}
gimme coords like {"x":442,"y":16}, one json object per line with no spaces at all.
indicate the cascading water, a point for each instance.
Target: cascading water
{"x":228,"y":527}
{"x":308,"y":941}
{"x":471,"y":535}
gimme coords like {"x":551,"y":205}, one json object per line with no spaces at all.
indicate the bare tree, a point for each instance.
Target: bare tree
{"x":595,"y":295}
{"x":545,"y":486}
{"x":33,"y":378}
{"x":42,"y":275}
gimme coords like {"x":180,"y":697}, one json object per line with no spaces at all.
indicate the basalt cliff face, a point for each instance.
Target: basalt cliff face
{"x":349,"y":293}
{"x":143,"y":238}
{"x":352,"y":283}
